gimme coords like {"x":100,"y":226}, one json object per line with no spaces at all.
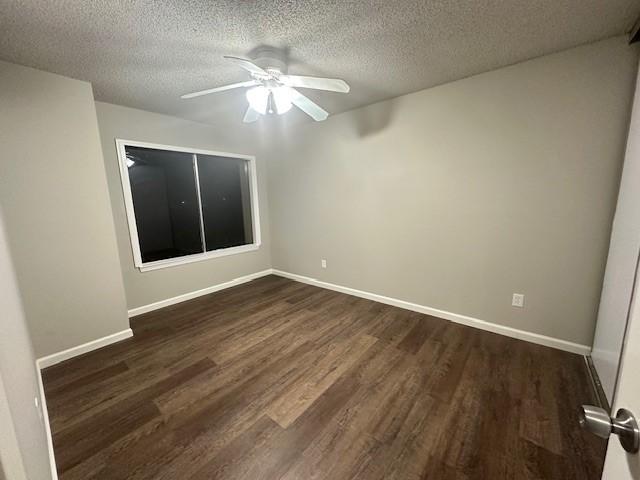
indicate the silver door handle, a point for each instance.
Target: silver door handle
{"x":597,"y":421}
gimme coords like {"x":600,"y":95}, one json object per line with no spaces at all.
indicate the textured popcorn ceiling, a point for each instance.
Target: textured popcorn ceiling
{"x":145,"y":54}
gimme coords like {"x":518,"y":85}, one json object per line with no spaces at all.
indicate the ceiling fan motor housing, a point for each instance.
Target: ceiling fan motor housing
{"x":270,"y":59}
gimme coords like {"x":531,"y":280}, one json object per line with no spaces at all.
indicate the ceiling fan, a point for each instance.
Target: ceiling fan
{"x":270,"y":89}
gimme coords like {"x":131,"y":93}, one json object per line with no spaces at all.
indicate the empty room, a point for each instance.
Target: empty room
{"x":295,"y":240}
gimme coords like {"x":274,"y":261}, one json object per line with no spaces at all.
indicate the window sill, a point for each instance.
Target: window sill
{"x":173,"y":262}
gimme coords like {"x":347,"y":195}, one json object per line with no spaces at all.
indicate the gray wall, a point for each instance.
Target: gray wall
{"x":132,"y":124}
{"x":23,"y":442}
{"x":54,"y":194}
{"x":453,"y":197}
{"x":457,"y":196}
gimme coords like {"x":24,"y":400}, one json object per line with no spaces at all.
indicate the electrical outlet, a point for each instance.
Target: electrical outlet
{"x":518,"y":300}
{"x":323,"y":262}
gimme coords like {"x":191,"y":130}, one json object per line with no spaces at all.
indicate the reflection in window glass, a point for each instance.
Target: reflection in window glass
{"x":226,"y":201}
{"x":165,"y":202}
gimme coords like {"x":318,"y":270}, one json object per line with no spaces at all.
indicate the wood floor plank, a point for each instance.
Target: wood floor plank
{"x":276,"y":379}
{"x":279,"y":455}
{"x":362,"y":426}
{"x":76,"y":444}
{"x":226,"y":414}
{"x":126,"y":454}
{"x":74,"y":410}
{"x":302,"y":393}
{"x":235,"y":459}
{"x":425,"y":325}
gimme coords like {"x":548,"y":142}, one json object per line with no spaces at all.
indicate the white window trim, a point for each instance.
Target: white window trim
{"x":121,"y":144}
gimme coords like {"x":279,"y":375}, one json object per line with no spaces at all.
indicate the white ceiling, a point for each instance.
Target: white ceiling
{"x":145,"y":54}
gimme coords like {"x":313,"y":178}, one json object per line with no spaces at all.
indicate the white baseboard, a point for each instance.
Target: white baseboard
{"x":47,"y":426}
{"x":50,"y":360}
{"x":198,"y":293}
{"x":55,"y":358}
{"x":454,"y":317}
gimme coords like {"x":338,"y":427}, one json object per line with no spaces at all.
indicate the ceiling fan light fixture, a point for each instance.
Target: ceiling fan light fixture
{"x":282,"y":99}
{"x":269,"y":99}
{"x":258,"y":97}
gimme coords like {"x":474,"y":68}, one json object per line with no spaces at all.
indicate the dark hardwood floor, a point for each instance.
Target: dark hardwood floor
{"x":280,"y":380}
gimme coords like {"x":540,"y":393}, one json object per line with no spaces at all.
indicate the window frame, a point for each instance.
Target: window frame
{"x":121,"y":145}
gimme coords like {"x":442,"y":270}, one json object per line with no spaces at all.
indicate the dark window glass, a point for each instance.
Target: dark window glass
{"x":226,"y":201}
{"x":165,"y":202}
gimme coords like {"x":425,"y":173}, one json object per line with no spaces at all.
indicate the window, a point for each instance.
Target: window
{"x":185,"y":205}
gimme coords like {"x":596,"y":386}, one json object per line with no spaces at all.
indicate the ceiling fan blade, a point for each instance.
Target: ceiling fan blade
{"x":249,"y":83}
{"x":317,"y":83}
{"x":307,"y":106}
{"x":250,"y":116}
{"x":248,"y":65}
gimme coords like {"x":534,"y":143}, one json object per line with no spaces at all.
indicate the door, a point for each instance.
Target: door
{"x":620,"y":465}
{"x":623,"y":253}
